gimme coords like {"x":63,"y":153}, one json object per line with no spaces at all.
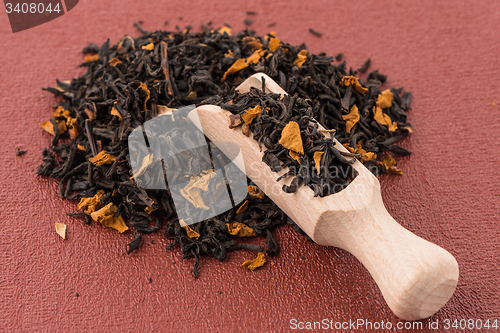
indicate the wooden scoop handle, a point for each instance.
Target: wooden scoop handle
{"x":415,"y":276}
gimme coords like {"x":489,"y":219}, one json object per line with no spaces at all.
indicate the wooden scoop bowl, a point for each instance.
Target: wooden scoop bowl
{"x":416,"y":277}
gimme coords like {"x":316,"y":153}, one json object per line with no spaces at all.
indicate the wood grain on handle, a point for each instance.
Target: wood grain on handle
{"x":415,"y":276}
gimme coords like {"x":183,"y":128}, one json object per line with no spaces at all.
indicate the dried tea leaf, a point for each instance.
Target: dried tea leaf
{"x":317,"y":160}
{"x":148,"y":47}
{"x":251,"y":114}
{"x":95,"y":57}
{"x":352,"y":80}
{"x":197,"y":184}
{"x":255,"y":192}
{"x":61,"y":229}
{"x":389,"y":164}
{"x":114,"y":62}
{"x":242,"y":208}
{"x":290,"y":137}
{"x":240,"y":229}
{"x":106,"y":216}
{"x":235,"y":120}
{"x":115,"y":112}
{"x":351,"y":119}
{"x":146,"y":161}
{"x":146,"y":90}
{"x":225,"y":29}
{"x":191,"y":233}
{"x":383,"y":119}
{"x":102,"y":158}
{"x":301,"y":58}
{"x":255,"y":263}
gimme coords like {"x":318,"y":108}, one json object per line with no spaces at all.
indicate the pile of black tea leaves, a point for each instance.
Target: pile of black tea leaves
{"x":143,"y":77}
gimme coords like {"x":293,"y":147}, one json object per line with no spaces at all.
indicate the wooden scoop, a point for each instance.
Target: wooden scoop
{"x":415,"y":276}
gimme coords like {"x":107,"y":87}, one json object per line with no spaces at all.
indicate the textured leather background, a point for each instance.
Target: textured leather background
{"x":446,"y":52}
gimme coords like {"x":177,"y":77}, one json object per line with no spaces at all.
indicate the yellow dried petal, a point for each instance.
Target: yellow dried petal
{"x":115,"y":112}
{"x":114,"y":62}
{"x":146,"y":90}
{"x":61,"y":112}
{"x":106,"y":216}
{"x":251,"y":114}
{"x":351,"y":119}
{"x":384,"y":100}
{"x":290,"y":137}
{"x":92,"y":58}
{"x":242,"y":208}
{"x":92,"y":203}
{"x":61,"y":229}
{"x":317,"y":160}
{"x":81,"y":147}
{"x":255,"y":263}
{"x":253,"y":42}
{"x":383,"y":119}
{"x":294,"y":155}
{"x":225,"y":29}
{"x":148,"y":47}
{"x":229,"y":54}
{"x":193,"y":189}
{"x":191,"y":233}
{"x":74,"y":130}
{"x":240,"y":64}
{"x":146,"y":161}
{"x":301,"y":58}
{"x":255,"y":192}
{"x":389,"y":164}
{"x":274,"y":43}
{"x":49,"y":128}
{"x":352,"y":80}
{"x":240,"y":229}
{"x":351,"y":150}
{"x":102,"y":158}
{"x":365,"y":156}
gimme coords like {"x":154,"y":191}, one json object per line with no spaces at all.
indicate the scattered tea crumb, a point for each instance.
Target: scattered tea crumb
{"x":173,"y":263}
{"x":227,"y":25}
{"x":180,"y":18}
{"x":365,"y":66}
{"x":272,"y":263}
{"x":248,"y":22}
{"x":150,"y":280}
{"x":20,"y":152}
{"x":302,"y":257}
{"x":339,"y":56}
{"x":166,"y":23}
{"x":272,"y":24}
{"x":61,"y":229}
{"x":77,"y":295}
{"x":220,"y":292}
{"x":316,"y":33}
{"x":152,"y":241}
{"x":251,"y":13}
{"x":255,"y":263}
{"x":138,"y":27}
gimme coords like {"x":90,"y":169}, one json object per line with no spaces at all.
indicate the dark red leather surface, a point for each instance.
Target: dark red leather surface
{"x":446,"y":52}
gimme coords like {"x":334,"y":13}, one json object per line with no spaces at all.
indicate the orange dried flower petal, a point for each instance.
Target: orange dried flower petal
{"x":48,"y":127}
{"x":351,"y":119}
{"x":229,"y":54}
{"x":383,"y":119}
{"x":148,"y":93}
{"x":225,"y":29}
{"x":294,"y":155}
{"x":255,"y":192}
{"x":240,"y":64}
{"x":92,"y":58}
{"x":274,"y":43}
{"x":106,"y":216}
{"x":251,"y":114}
{"x":240,"y":229}
{"x":301,"y":58}
{"x":190,"y":232}
{"x":290,"y":138}
{"x":148,"y":47}
{"x":352,"y":80}
{"x":317,"y":160}
{"x":253,"y":42}
{"x":193,"y":189}
{"x":114,"y":62}
{"x":255,"y":263}
{"x":102,"y":158}
{"x":389,"y":164}
{"x":74,"y":129}
{"x":242,"y":208}
{"x":115,"y":112}
{"x":146,"y":161}
{"x":384,"y":100}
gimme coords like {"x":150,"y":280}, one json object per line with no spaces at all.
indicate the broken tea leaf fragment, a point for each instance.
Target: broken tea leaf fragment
{"x":255,"y":263}
{"x":102,"y":158}
{"x":61,"y":229}
{"x":240,"y":229}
